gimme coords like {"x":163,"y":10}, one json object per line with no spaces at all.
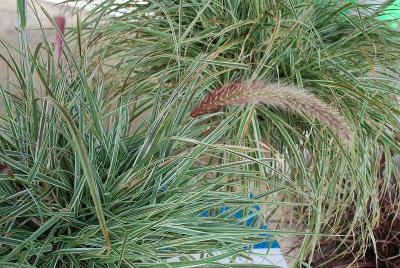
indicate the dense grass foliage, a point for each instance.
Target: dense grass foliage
{"x":331,"y":48}
{"x":83,"y":184}
{"x":104,"y":167}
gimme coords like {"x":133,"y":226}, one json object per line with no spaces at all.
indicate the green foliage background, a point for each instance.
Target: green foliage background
{"x":116,"y":115}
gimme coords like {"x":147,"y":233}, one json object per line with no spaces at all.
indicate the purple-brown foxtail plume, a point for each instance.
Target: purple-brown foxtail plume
{"x":289,"y":98}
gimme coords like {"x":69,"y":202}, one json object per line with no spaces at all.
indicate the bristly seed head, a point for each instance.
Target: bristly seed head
{"x":60,"y":22}
{"x":288,"y":98}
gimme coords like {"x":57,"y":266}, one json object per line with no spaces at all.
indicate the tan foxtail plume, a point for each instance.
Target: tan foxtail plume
{"x":273,"y":95}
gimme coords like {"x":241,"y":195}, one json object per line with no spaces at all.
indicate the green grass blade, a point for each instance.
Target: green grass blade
{"x":87,"y":169}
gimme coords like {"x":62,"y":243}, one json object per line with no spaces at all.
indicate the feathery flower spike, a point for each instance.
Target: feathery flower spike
{"x":6,"y":170}
{"x":288,"y":98}
{"x":60,"y":22}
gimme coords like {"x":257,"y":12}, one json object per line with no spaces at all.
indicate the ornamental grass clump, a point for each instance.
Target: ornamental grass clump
{"x":84,"y":184}
{"x":346,"y":59}
{"x":118,"y":173}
